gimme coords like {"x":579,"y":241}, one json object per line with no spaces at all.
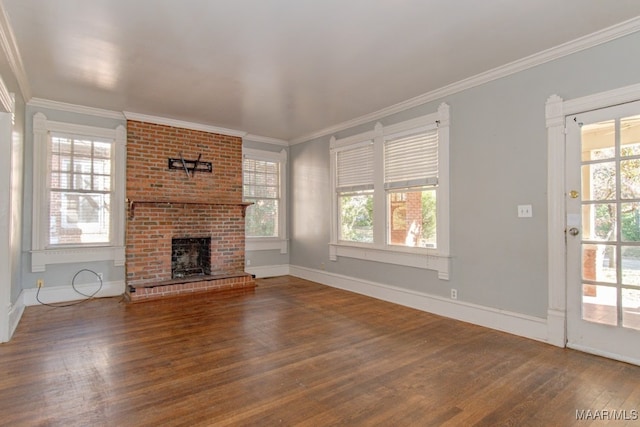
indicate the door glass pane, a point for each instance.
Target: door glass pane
{"x":630,"y":136}
{"x":631,"y":308}
{"x":598,"y":221}
{"x":630,"y":179}
{"x":598,"y":141}
{"x":599,"y":263}
{"x":630,"y":222}
{"x":599,"y":304}
{"x":630,"y":265}
{"x":599,"y":181}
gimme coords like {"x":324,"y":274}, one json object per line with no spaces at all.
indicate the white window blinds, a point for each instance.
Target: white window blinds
{"x":355,"y":168}
{"x":411,"y":160}
{"x":261,"y":179}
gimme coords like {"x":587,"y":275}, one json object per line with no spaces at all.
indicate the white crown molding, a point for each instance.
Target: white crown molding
{"x":73,"y":108}
{"x":182,"y":124}
{"x":565,"y":49}
{"x":10,"y":48}
{"x":128,"y":115}
{"x":265,"y":139}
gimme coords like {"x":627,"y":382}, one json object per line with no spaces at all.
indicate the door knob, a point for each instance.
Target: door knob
{"x":574,"y":231}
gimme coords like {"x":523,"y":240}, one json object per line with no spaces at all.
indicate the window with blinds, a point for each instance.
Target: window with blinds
{"x":80,"y":190}
{"x":390,"y":200}
{"x":355,"y":168}
{"x":354,"y":185}
{"x":411,"y":160}
{"x":410,"y":179}
{"x":261,"y":186}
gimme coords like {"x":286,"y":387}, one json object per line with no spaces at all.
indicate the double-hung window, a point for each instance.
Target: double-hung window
{"x":391,"y":194}
{"x":78,"y":204}
{"x":411,"y":183}
{"x":80,"y":190}
{"x":264,"y":181}
{"x":354,"y":189}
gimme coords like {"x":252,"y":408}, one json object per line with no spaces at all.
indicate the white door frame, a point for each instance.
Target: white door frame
{"x":556,"y":111}
{"x":7,"y":106}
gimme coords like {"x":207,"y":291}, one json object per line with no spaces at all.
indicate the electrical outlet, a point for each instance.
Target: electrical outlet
{"x":40,"y":283}
{"x":100,"y":276}
{"x":454,"y":294}
{"x":248,"y":262}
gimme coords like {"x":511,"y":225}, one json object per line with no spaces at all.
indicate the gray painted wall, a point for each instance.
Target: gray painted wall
{"x":498,"y":161}
{"x":58,"y":274}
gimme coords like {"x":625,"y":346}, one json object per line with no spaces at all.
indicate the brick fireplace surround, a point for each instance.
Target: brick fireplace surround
{"x":166,"y":203}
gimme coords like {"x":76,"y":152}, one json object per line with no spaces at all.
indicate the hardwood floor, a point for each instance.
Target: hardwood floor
{"x":294,"y":352}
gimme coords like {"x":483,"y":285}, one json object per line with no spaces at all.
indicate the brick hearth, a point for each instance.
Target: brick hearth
{"x":167,"y":203}
{"x":217,"y":283}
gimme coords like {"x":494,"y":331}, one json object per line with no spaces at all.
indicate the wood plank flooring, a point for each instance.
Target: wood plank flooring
{"x":294,"y":352}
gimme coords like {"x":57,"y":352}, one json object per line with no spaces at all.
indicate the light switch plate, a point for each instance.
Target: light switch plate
{"x":525,"y":211}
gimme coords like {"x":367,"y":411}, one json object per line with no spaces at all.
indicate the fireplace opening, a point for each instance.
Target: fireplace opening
{"x":190,"y":256}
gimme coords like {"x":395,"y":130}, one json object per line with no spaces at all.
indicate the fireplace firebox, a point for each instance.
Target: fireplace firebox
{"x":190,"y":257}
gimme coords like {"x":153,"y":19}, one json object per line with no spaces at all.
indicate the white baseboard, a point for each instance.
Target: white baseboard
{"x":602,"y":353}
{"x":15,"y":314}
{"x":268,"y":270}
{"x":506,"y":321}
{"x":58,"y":294}
{"x":556,"y":327}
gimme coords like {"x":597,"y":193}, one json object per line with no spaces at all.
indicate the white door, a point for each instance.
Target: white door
{"x":603,"y":232}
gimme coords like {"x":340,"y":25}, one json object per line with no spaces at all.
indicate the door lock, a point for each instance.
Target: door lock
{"x":574,"y":231}
{"x":574,"y":194}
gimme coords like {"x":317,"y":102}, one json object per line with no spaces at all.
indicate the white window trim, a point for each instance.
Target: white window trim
{"x":426,"y":258}
{"x":41,"y":256}
{"x":281,"y":242}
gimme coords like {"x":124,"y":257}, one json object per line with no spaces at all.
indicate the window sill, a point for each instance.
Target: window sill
{"x":41,"y":258}
{"x":409,"y":257}
{"x":267,"y":244}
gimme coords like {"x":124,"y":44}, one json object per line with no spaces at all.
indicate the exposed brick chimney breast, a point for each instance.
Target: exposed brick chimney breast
{"x":167,"y":203}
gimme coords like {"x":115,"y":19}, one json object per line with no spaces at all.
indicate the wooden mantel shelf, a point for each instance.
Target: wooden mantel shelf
{"x":131,"y":204}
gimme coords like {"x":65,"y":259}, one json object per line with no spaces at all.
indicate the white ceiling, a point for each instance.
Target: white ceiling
{"x":281,"y":68}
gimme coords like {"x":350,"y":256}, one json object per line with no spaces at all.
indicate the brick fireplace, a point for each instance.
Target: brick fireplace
{"x":168,"y":205}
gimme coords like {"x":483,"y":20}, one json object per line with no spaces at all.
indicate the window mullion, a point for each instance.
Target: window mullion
{"x":379,"y":195}
{"x":93,"y":171}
